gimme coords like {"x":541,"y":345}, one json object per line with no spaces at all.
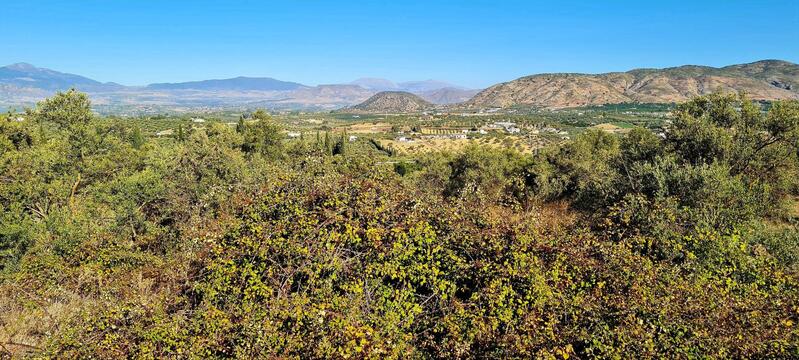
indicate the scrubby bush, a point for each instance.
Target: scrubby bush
{"x":219,"y":244}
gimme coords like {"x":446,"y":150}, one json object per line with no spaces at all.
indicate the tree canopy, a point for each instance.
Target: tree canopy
{"x":238,"y":242}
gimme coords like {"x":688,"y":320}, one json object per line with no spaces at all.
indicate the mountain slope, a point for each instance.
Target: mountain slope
{"x":763,"y":80}
{"x":393,"y":102}
{"x":22,"y":75}
{"x":779,"y":73}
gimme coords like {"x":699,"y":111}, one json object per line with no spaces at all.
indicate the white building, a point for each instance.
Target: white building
{"x":505,"y":124}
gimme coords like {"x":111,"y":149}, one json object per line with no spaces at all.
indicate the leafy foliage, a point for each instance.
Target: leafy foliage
{"x":67,"y":109}
{"x":263,"y":136}
{"x":235,"y":242}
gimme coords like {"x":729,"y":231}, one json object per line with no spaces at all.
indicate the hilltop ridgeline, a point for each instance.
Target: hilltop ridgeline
{"x":762,"y":80}
{"x":393,"y":102}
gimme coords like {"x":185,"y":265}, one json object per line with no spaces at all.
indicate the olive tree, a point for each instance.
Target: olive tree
{"x":65,"y":109}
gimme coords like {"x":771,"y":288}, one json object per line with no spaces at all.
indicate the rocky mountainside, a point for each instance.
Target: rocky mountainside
{"x":393,"y":102}
{"x":781,"y":74}
{"x":762,"y":80}
{"x":448,"y":95}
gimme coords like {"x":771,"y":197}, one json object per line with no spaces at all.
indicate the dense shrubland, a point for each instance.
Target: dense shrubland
{"x":232,"y":242}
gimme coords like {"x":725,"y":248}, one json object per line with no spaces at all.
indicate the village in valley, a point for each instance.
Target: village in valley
{"x":407,"y":135}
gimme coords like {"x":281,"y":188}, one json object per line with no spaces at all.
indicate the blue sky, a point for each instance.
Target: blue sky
{"x":472,"y":43}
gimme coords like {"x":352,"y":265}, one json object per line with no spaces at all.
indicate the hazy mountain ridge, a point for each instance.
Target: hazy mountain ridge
{"x":240,"y":83}
{"x":427,"y":86}
{"x":448,"y":95}
{"x":322,"y":97}
{"x":762,"y":80}
{"x":415,"y":87}
{"x":377,"y":84}
{"x":25,"y":84}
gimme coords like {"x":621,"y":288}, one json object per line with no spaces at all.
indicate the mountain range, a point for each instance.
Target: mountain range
{"x":24,"y":84}
{"x":408,"y":86}
{"x":240,"y":83}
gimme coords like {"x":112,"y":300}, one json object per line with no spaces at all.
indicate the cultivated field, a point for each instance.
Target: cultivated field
{"x":422,"y":146}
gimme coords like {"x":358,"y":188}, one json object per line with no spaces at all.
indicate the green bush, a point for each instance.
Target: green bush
{"x":237,"y":243}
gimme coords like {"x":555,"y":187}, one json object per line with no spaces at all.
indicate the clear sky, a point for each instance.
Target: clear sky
{"x":471,"y":43}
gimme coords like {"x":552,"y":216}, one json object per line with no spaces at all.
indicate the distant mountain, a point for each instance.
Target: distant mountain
{"x":762,"y":80}
{"x":448,"y":95}
{"x":425,"y":86}
{"x":240,"y":83}
{"x":376,"y":84}
{"x":323,"y":97}
{"x":27,"y":76}
{"x":24,"y":84}
{"x":415,"y":87}
{"x":393,"y":102}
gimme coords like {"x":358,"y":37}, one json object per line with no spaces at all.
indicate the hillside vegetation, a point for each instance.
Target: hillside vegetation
{"x":762,"y":80}
{"x":392,"y":102}
{"x":231,"y":241}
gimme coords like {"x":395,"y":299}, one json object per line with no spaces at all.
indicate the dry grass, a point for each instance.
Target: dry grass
{"x":366,"y":128}
{"x":27,"y":318}
{"x":611,"y":128}
{"x":421,"y":146}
